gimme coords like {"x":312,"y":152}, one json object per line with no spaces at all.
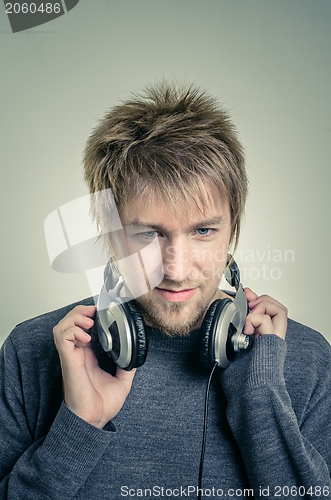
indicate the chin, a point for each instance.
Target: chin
{"x":175,"y":319}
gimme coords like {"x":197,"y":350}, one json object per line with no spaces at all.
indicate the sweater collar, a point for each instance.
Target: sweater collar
{"x":159,"y":341}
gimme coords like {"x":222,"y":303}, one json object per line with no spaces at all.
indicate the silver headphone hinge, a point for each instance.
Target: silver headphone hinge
{"x":241,"y":342}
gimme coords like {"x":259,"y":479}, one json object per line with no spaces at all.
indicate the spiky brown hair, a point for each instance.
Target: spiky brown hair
{"x":166,"y":142}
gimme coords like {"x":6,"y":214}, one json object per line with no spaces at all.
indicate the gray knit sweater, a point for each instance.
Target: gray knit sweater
{"x":269,"y":426}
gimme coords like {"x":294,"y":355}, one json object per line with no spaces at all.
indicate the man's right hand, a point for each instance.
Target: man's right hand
{"x":91,"y":393}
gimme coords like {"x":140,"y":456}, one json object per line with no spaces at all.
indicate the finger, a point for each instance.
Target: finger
{"x":264,"y":298}
{"x":266,"y":322}
{"x":266,"y":307}
{"x":72,"y":337}
{"x":72,"y":348}
{"x":80,"y":311}
{"x":259,"y":323}
{"x":276,"y":311}
{"x":85,"y":310}
{"x":250,"y":295}
{"x":73,"y":319}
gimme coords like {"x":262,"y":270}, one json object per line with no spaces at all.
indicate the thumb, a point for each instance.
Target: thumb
{"x":126,"y":377}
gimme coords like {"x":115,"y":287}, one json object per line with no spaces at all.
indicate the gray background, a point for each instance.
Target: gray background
{"x":268,"y":61}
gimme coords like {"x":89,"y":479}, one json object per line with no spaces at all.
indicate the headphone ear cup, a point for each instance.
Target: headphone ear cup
{"x":208,"y":332}
{"x":138,"y":335}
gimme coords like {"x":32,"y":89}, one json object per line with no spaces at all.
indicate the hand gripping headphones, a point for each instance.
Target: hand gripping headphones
{"x":121,"y":328}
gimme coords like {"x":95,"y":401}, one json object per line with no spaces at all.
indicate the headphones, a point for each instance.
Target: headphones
{"x":121,"y":328}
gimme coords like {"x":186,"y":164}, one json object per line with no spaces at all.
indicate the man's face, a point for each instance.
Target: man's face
{"x":194,"y":250}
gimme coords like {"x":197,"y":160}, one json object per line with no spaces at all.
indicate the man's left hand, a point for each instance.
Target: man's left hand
{"x":266,"y":316}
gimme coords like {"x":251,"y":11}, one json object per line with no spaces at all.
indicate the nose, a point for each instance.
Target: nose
{"x":177,"y":262}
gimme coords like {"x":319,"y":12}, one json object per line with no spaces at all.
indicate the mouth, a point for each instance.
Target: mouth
{"x":176,"y":296}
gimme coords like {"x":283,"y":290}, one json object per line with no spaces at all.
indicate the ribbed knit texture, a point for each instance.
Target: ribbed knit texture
{"x":269,"y":422}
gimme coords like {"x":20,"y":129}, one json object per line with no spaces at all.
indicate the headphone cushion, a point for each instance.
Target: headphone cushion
{"x":208,"y":332}
{"x":139,"y":337}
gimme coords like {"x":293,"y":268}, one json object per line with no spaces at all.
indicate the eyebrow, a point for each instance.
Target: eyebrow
{"x":163,"y":229}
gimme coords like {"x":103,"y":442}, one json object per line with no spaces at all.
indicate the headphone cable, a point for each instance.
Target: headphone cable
{"x":204,"y":434}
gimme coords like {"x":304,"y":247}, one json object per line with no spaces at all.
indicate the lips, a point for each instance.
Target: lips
{"x":176,"y":296}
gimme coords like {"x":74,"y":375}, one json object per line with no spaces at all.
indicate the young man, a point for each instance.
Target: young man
{"x":73,"y":426}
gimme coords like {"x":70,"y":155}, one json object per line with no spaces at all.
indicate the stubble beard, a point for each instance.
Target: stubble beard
{"x":168,"y":320}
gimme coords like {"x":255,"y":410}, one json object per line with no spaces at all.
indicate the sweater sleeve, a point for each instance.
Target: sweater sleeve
{"x":52,"y":467}
{"x":285,"y":443}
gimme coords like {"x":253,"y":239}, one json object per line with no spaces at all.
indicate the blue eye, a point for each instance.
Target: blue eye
{"x":204,"y":231}
{"x":149,"y":234}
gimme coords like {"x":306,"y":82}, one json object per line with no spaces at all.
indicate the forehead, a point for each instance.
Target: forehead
{"x":154,"y":209}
